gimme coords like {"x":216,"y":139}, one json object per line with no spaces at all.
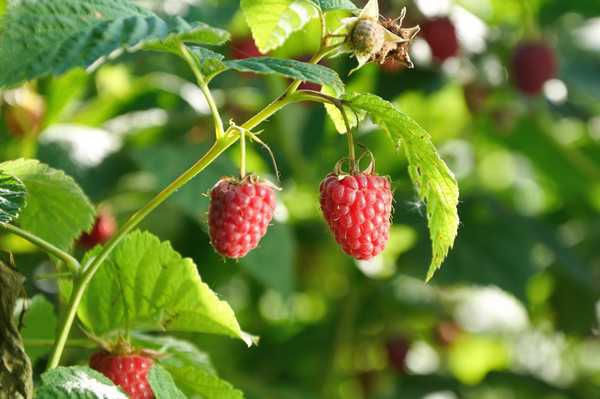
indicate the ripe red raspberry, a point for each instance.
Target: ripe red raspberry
{"x":104,"y":228}
{"x":441,"y":36}
{"x":130,"y":372}
{"x":358,"y":209}
{"x":239,"y":215}
{"x":533,"y":63}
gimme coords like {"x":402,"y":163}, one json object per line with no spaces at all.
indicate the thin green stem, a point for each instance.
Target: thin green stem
{"x":226,"y":141}
{"x":219,"y":131}
{"x":322,"y":53}
{"x":69,"y":261}
{"x":92,"y":267}
{"x":243,"y":153}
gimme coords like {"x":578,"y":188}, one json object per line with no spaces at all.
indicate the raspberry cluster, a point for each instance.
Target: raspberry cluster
{"x":130,"y":372}
{"x":357,"y":209}
{"x":239,"y":215}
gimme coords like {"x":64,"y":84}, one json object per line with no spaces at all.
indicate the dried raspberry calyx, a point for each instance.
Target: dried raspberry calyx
{"x":239,"y":214}
{"x":371,"y":40}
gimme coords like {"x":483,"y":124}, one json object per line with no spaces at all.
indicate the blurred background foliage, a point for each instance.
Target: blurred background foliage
{"x":513,"y":314}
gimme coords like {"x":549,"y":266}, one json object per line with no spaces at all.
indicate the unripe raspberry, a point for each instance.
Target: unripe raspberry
{"x":103,"y":230}
{"x":239,"y":215}
{"x":441,"y":37}
{"x":357,"y":209}
{"x":130,"y":372}
{"x":367,"y":37}
{"x":533,"y":63}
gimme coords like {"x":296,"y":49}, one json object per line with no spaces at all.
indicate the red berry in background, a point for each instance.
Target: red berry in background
{"x":242,"y":48}
{"x":239,"y":215}
{"x":447,"y":332}
{"x":441,"y":36}
{"x":309,"y":86}
{"x":104,"y":228}
{"x":397,"y":350}
{"x":357,"y":209}
{"x":533,"y":63}
{"x":130,"y":372}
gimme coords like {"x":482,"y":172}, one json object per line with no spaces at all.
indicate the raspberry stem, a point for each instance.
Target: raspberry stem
{"x":243,"y":153}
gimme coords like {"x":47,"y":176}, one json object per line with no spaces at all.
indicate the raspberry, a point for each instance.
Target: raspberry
{"x":127,"y":371}
{"x":440,"y":35}
{"x":357,"y":209}
{"x":239,"y":215}
{"x":533,"y":63}
{"x":104,"y":228}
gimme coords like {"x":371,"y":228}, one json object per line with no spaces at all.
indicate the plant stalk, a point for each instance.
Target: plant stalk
{"x":69,"y":261}
{"x":90,"y":269}
{"x":214,"y":110}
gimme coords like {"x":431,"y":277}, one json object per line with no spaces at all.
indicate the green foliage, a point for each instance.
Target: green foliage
{"x":145,"y":285}
{"x":12,"y":197}
{"x":273,"y":21}
{"x":435,"y":183}
{"x":77,"y":383}
{"x":37,"y":44}
{"x":198,"y":381}
{"x":162,"y":384}
{"x":179,"y":358}
{"x":39,"y":324}
{"x":331,"y":5}
{"x":290,"y":69}
{"x":57,"y":210}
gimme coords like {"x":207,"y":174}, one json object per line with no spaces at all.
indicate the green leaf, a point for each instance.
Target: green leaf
{"x":272,"y":263}
{"x":331,"y":5}
{"x":39,"y":324}
{"x":290,"y":69}
{"x":336,"y":116}
{"x":200,"y":33}
{"x":57,"y":210}
{"x":273,"y":21}
{"x":145,"y":285}
{"x":434,"y":182}
{"x":42,"y":37}
{"x":12,"y":197}
{"x":180,"y":357}
{"x":198,"y":381}
{"x":174,"y":352}
{"x":162,"y":384}
{"x":209,"y":62}
{"x":77,"y":383}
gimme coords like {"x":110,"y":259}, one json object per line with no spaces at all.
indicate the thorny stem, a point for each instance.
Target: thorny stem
{"x":205,"y":90}
{"x":69,"y":261}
